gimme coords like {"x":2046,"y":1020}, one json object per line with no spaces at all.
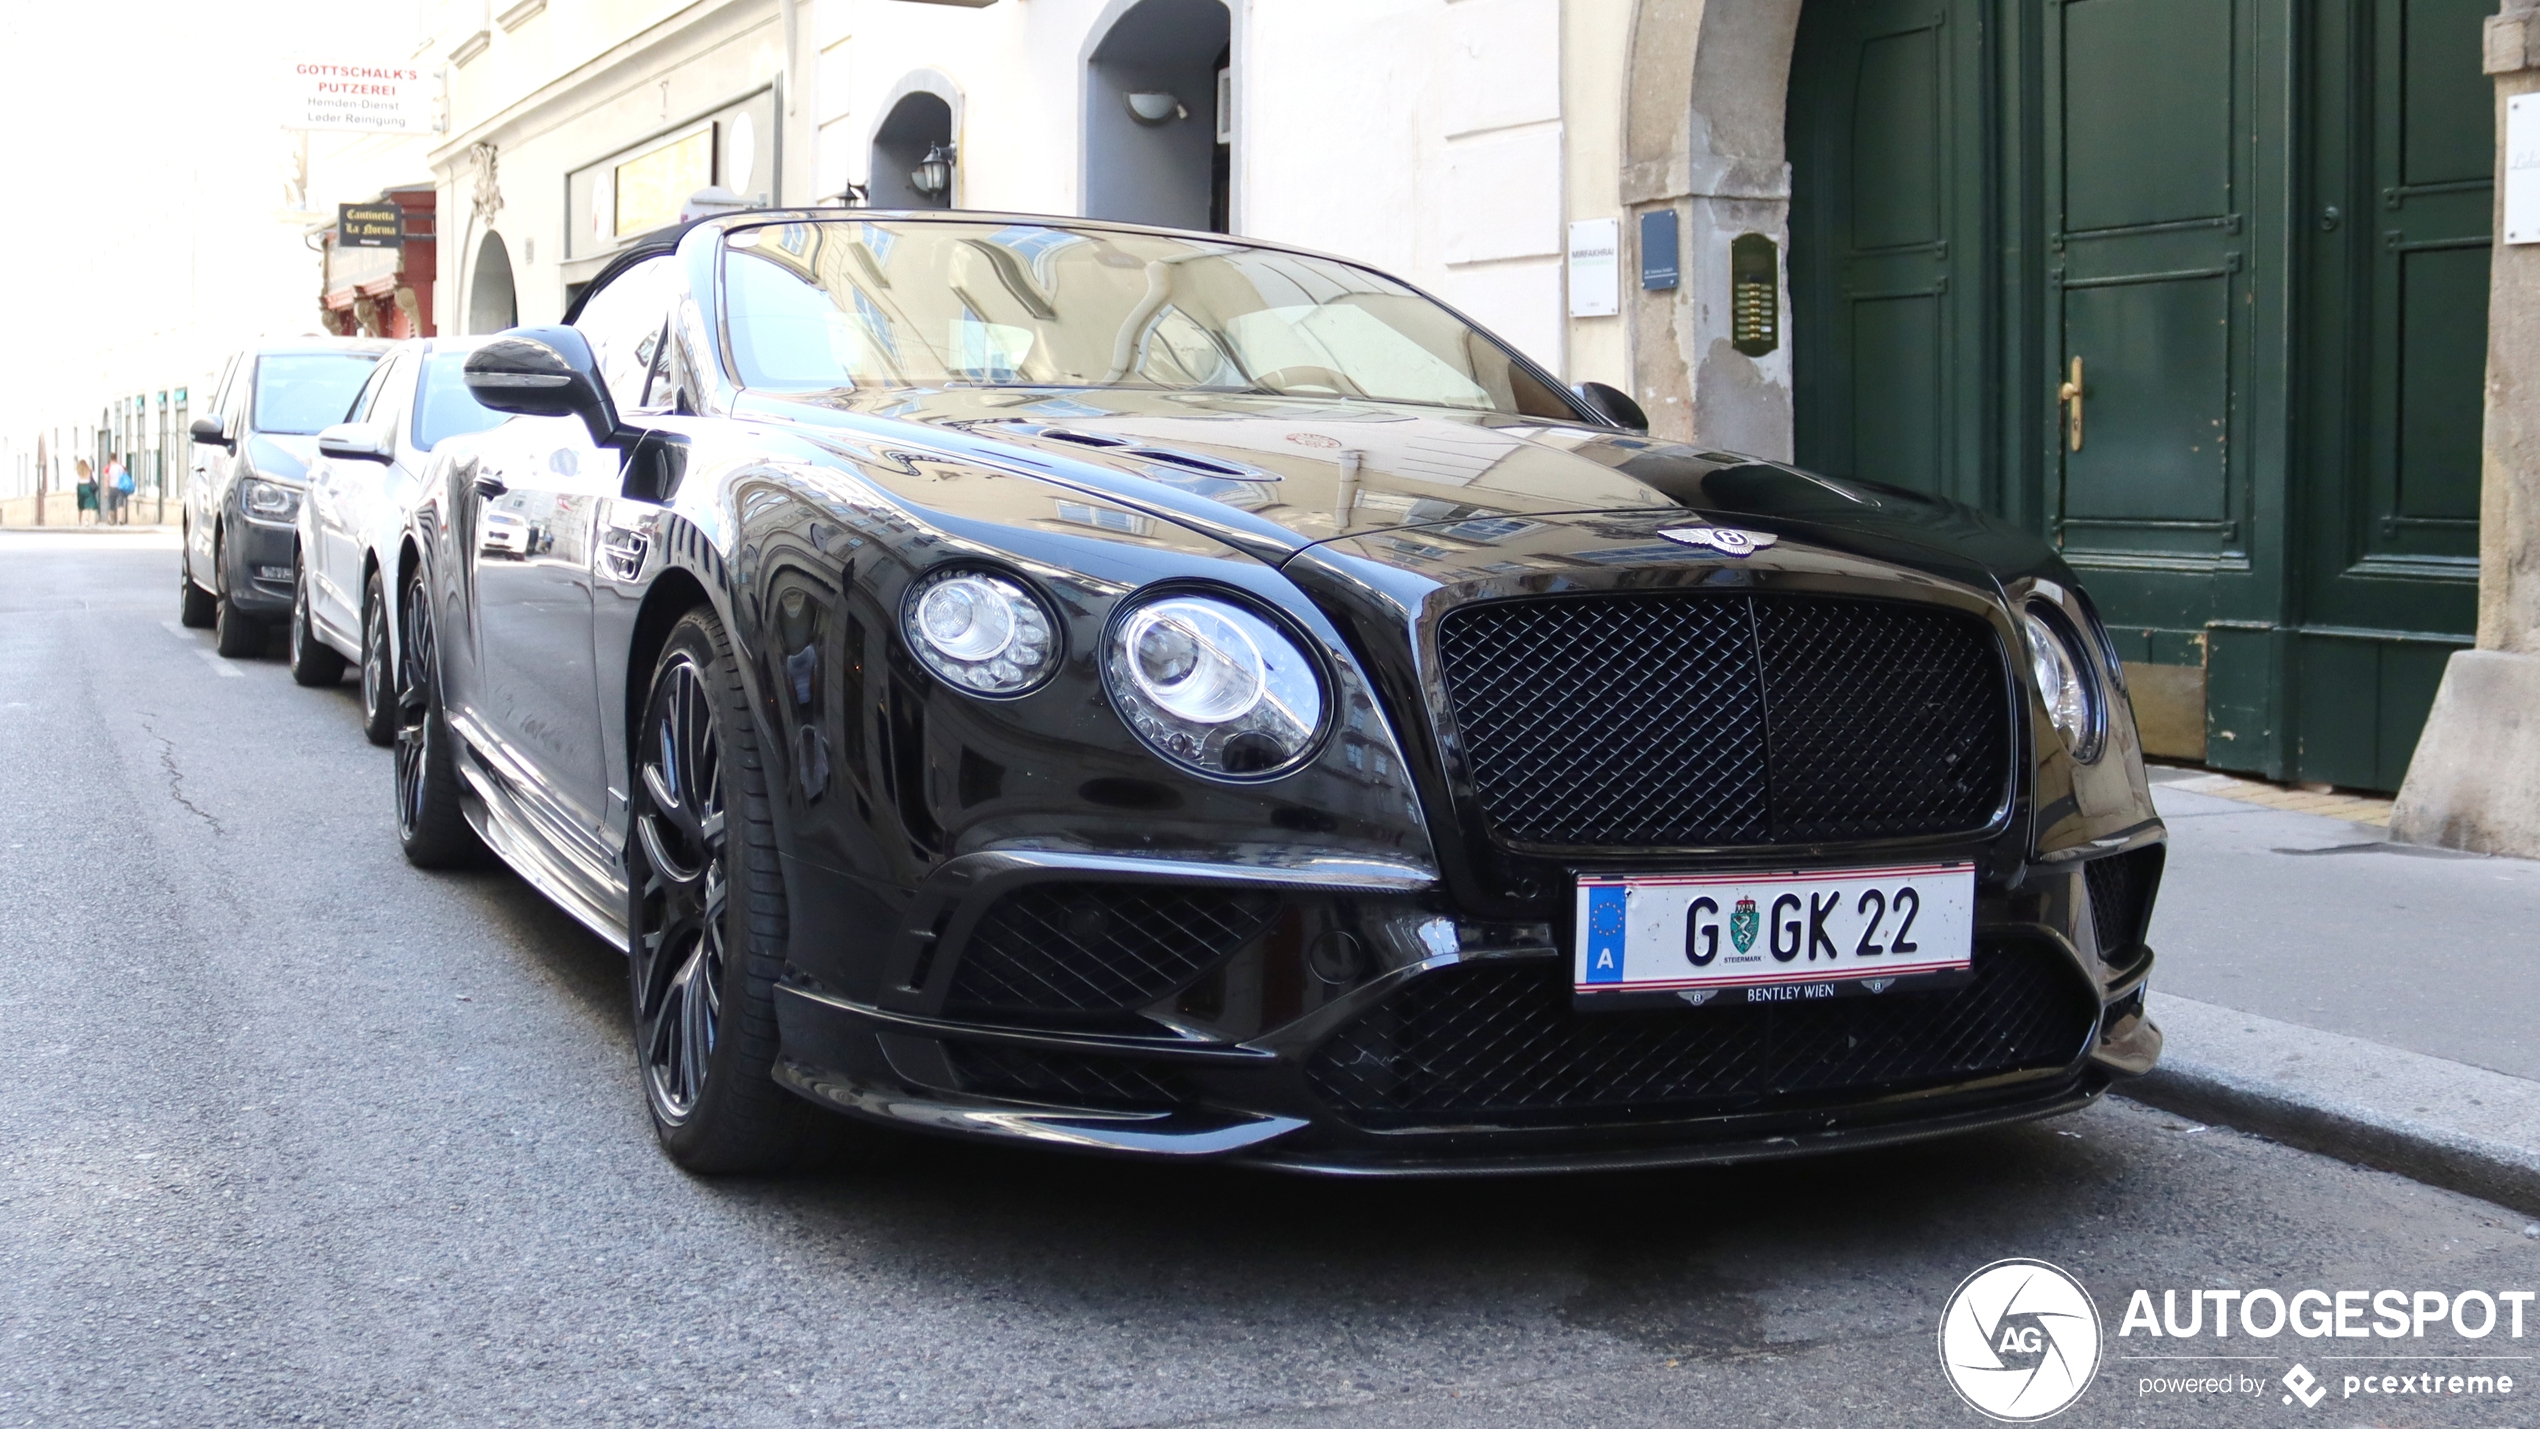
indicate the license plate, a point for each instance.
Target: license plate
{"x":1773,"y":937}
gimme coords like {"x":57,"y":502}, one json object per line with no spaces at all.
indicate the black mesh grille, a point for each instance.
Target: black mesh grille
{"x":1727,"y":719}
{"x":2121,"y":889}
{"x":1499,"y":1043}
{"x":1063,"y":947}
{"x":1070,"y":1078}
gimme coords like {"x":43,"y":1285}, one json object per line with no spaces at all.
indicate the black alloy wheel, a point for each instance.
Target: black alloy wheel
{"x":431,"y":826}
{"x":314,"y":663}
{"x":235,"y":634}
{"x":707,"y":916}
{"x":194,"y":608}
{"x":379,"y":681}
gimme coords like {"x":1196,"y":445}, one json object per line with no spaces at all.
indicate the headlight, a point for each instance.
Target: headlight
{"x":1213,"y":687}
{"x":2065,"y":679}
{"x":981,"y":632}
{"x":269,"y":501}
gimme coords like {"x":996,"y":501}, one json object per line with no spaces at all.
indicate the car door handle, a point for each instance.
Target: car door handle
{"x":490,"y":486}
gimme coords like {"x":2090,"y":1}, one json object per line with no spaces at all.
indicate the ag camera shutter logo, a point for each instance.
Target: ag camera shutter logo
{"x":2019,"y":1341}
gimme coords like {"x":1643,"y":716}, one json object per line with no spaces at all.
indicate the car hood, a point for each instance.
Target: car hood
{"x":281,"y":456}
{"x":1277,"y":476}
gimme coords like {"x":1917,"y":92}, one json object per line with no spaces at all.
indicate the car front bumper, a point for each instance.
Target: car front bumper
{"x":260,"y":559}
{"x":1281,"y":1054}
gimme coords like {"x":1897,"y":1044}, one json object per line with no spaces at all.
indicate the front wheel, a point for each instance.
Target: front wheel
{"x":194,"y":604}
{"x":235,"y":634}
{"x":431,"y":826}
{"x":707,"y":916}
{"x":314,"y":663}
{"x":379,"y":679}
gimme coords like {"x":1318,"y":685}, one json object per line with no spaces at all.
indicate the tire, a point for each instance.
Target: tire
{"x":194,"y":608}
{"x":314,"y":663}
{"x":379,"y":679}
{"x":431,"y":826}
{"x":236,"y":635}
{"x":706,"y":910}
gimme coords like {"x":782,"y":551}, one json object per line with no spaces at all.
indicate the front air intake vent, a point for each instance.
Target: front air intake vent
{"x":1099,"y":947}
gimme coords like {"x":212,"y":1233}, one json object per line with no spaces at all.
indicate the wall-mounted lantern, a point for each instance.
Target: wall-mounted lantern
{"x":933,"y":175}
{"x":1155,"y":106}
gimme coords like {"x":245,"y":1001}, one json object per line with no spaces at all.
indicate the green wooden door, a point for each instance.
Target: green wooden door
{"x":2261,"y":228}
{"x":2164,"y":298}
{"x":2401,"y":164}
{"x":1888,"y":241}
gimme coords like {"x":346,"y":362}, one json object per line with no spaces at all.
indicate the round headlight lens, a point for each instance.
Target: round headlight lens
{"x":1214,"y":687}
{"x":2064,"y":680}
{"x":981,"y":632}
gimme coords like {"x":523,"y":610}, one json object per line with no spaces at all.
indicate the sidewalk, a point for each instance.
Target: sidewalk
{"x":61,"y":511}
{"x":2323,"y":986}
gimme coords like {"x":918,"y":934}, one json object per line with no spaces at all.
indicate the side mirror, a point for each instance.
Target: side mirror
{"x":1612,"y":406}
{"x":206,"y":430}
{"x":356,"y":441}
{"x":543,"y":372}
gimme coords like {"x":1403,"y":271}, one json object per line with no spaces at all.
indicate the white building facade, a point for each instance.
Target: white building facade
{"x":1465,"y":145}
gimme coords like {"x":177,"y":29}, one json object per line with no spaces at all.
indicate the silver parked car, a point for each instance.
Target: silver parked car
{"x":361,"y":486}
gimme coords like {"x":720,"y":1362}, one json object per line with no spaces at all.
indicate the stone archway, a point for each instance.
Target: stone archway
{"x":1707,"y":86}
{"x":492,"y":303}
{"x":921,"y":111}
{"x":1162,"y":164}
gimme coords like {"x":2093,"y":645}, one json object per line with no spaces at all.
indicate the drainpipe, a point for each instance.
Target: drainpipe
{"x":791,"y":10}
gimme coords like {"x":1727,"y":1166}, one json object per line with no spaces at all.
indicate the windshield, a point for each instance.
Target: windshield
{"x":444,"y":408}
{"x":301,"y":394}
{"x":849,"y":304}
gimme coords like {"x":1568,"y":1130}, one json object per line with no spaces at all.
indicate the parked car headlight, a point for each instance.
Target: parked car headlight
{"x":269,"y":501}
{"x":1213,"y":687}
{"x":2065,"y":678}
{"x":983,"y":633}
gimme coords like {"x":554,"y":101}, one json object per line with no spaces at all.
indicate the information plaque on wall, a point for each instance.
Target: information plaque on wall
{"x":2522,"y":169}
{"x":1658,"y":248}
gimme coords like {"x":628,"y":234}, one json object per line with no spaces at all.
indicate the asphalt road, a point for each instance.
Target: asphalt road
{"x":295,"y":1134}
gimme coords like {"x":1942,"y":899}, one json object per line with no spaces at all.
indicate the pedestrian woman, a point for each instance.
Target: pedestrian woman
{"x":87,"y":494}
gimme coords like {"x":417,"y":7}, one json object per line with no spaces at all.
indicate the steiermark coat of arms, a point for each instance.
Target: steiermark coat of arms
{"x":1742,"y":924}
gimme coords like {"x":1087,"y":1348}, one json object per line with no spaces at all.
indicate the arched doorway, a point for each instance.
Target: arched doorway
{"x":1156,"y":147}
{"x":920,"y":121}
{"x":491,"y":303}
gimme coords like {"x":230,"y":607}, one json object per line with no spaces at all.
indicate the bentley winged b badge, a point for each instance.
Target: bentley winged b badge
{"x":1727,"y":540}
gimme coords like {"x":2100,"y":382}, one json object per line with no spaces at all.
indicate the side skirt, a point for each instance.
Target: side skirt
{"x":596,"y":900}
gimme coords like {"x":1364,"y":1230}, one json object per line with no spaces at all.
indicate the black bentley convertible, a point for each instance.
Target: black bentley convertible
{"x":1144,"y":692}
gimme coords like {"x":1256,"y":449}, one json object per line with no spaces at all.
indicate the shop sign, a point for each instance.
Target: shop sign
{"x":372,"y":98}
{"x":369,"y":225}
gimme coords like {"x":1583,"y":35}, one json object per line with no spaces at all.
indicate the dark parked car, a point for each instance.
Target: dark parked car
{"x":249,"y":470}
{"x":360,"y":489}
{"x":1143,"y":692}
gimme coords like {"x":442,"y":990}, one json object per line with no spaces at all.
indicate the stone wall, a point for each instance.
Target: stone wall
{"x":2475,"y":780}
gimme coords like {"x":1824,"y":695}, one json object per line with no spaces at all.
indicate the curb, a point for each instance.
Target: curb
{"x":2444,"y":1123}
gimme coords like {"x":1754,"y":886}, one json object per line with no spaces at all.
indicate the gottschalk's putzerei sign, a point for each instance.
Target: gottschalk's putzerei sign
{"x":373,"y":98}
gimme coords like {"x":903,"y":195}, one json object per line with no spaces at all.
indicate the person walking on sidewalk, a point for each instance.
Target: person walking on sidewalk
{"x":87,"y":494}
{"x":118,"y":492}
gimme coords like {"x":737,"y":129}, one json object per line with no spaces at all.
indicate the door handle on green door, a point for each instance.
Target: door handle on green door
{"x":2070,"y":395}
